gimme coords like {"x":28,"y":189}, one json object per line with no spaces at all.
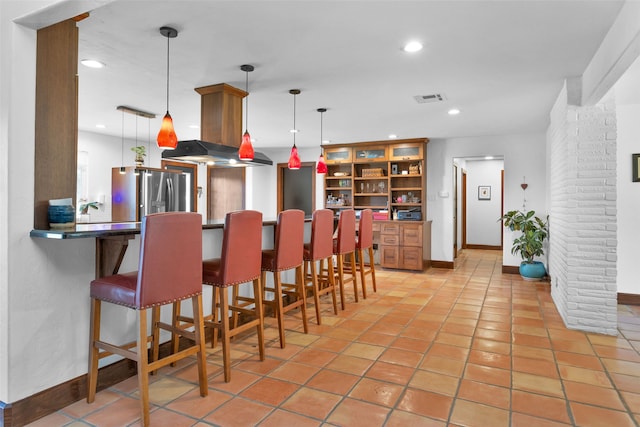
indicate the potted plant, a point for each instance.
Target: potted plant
{"x":84,"y":207}
{"x":530,"y":243}
{"x":141,"y":152}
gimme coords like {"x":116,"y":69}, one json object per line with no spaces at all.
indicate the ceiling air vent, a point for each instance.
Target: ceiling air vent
{"x":425,"y":99}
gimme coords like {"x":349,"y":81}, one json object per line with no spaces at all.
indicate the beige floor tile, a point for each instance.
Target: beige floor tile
{"x":467,"y":346}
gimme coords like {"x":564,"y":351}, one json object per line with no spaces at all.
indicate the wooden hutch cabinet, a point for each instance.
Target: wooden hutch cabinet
{"x":388,"y":178}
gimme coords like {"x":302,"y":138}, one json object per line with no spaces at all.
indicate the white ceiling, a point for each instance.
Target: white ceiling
{"x":502,"y":63}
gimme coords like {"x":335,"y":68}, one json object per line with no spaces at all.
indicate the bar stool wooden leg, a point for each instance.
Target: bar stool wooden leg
{"x":301,"y":296}
{"x":224,"y":331}
{"x":352,"y":257}
{"x":340,"y":263}
{"x":362,"y":272}
{"x":372,"y":268}
{"x":155,"y":332}
{"x":331,"y":277}
{"x":94,"y":335}
{"x":143,"y":369}
{"x":214,"y":317}
{"x":196,"y":303}
{"x":257,"y":291}
{"x":175,"y":322}
{"x":279,"y":309}
{"x":316,"y":288}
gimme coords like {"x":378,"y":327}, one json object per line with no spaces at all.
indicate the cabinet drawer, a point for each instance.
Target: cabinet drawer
{"x":411,"y":235}
{"x":389,"y":228}
{"x":376,"y":226}
{"x":389,"y":239}
{"x":389,"y":256}
{"x":411,"y":258}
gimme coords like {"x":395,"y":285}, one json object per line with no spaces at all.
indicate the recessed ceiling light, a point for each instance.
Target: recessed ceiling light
{"x":412,"y":46}
{"x":92,"y":63}
{"x":393,"y":136}
{"x":326,"y":141}
{"x":488,"y":157}
{"x":211,"y":163}
{"x":453,"y":111}
{"x":99,"y":126}
{"x":194,"y":127}
{"x":294,"y":131}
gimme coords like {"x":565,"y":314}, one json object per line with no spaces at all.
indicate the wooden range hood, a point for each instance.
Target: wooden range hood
{"x":220,"y":130}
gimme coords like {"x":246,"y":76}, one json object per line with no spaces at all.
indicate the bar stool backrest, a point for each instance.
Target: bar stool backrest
{"x":321,"y":244}
{"x":170,"y":266}
{"x":365,"y":229}
{"x":346,"y":241}
{"x":241,"y":247}
{"x":289,"y":239}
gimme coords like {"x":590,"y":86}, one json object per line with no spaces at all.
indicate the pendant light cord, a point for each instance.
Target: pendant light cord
{"x":168,"y":39}
{"x":321,"y":115}
{"x":246,"y":102}
{"x":122,"y":139}
{"x":294,"y":120}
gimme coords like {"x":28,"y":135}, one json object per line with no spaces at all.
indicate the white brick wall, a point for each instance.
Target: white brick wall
{"x":582,"y":253}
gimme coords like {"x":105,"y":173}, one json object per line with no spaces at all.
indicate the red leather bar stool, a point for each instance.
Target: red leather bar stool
{"x":239,"y":263}
{"x":344,"y":245}
{"x":286,"y":255}
{"x":364,"y":242}
{"x":320,"y":250}
{"x":169,"y":271}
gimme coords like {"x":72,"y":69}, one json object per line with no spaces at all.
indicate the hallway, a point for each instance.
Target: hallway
{"x":463,"y":347}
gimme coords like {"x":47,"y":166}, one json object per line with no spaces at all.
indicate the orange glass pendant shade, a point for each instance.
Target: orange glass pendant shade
{"x":322,"y":166}
{"x":294,"y":158}
{"x":246,"y":149}
{"x":167,"y":136}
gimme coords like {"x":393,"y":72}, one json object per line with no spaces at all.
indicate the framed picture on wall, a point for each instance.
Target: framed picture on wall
{"x":635,"y":169}
{"x":484,"y":192}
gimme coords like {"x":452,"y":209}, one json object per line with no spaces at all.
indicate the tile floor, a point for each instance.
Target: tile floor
{"x":463,"y":347}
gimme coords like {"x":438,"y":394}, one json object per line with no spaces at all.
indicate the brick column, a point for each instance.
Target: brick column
{"x":582,"y":253}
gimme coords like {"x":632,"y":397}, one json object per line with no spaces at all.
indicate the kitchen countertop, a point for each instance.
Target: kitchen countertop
{"x":117,"y":229}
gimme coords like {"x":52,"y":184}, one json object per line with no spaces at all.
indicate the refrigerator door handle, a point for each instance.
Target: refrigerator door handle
{"x":170,"y":196}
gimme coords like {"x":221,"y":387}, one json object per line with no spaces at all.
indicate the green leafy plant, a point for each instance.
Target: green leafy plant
{"x":140,"y":150}
{"x":84,"y":207}
{"x":534,"y":231}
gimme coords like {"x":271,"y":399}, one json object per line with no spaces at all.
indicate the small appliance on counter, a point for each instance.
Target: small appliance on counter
{"x":141,"y":191}
{"x":410,"y":215}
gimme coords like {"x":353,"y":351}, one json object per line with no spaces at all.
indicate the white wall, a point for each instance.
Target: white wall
{"x":524,"y":155}
{"x":483,"y":227}
{"x":628,"y":199}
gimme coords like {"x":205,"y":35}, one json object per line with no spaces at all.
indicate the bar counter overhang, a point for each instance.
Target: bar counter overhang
{"x":112,"y":239}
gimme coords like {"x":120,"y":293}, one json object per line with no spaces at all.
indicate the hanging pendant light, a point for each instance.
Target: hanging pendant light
{"x":321,"y":168}
{"x":167,"y":136}
{"x":246,"y":149}
{"x":122,"y":169}
{"x":294,"y":158}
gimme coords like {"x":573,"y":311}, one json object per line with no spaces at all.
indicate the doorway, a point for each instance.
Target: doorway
{"x":297,"y":188}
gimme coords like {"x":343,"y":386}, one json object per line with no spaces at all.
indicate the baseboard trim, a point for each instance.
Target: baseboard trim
{"x":484,"y":247}
{"x":628,"y":299}
{"x":442,"y":264}
{"x":48,"y":401}
{"x":510,"y":269}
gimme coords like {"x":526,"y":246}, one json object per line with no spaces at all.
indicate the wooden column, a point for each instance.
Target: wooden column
{"x":56,"y":120}
{"x":221,"y":114}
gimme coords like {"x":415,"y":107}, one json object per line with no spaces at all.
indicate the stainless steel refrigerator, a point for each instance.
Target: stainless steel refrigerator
{"x":141,"y":191}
